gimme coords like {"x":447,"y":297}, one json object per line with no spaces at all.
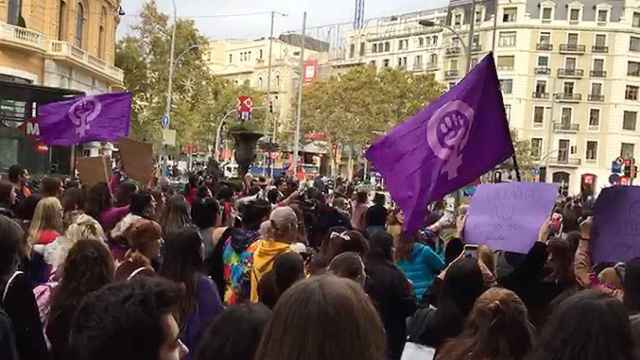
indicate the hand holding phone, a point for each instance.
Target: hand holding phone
{"x":470,"y":251}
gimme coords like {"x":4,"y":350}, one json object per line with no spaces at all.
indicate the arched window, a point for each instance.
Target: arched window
{"x":62,"y":21}
{"x":79,"y":24}
{"x":14,"y":11}
{"x":101,"y":33}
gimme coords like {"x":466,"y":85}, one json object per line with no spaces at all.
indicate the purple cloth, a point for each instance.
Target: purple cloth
{"x":87,"y":118}
{"x":616,"y":225}
{"x":447,"y":145}
{"x":508,"y":216}
{"x":109,"y":218}
{"x":208,"y":306}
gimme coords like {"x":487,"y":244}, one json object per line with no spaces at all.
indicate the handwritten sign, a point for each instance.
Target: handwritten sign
{"x":508,"y":216}
{"x":137,"y":159}
{"x":616,"y":225}
{"x":93,"y":170}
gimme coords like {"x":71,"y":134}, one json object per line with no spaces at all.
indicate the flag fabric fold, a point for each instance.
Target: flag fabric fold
{"x":445,"y":146}
{"x":84,"y":119}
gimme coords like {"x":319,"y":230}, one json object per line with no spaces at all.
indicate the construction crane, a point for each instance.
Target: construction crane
{"x":358,"y":19}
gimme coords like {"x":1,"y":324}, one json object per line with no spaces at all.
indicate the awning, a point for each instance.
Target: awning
{"x":34,"y":93}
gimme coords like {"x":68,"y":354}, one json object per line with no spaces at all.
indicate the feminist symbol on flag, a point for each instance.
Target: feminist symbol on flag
{"x":448,"y":131}
{"x":83,"y":112}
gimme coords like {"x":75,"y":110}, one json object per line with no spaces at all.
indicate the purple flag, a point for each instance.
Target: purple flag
{"x":616,"y":225}
{"x":447,"y":145}
{"x":83,"y":119}
{"x":509,"y":216}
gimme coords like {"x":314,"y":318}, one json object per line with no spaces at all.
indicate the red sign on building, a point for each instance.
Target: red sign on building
{"x":310,"y":71}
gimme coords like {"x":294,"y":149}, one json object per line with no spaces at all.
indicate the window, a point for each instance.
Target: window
{"x":435,"y":40}
{"x":603,"y":15}
{"x":507,"y":111}
{"x":385,"y":63}
{"x":635,"y":22}
{"x":507,"y":39}
{"x":14,"y":12}
{"x":509,"y":15}
{"x":417,"y":61}
{"x":545,"y":38}
{"x":570,"y":63}
{"x":420,"y":42}
{"x":260,"y":54}
{"x":403,"y":44}
{"x":478,"y":16}
{"x":277,"y":81}
{"x":260,"y":83}
{"x":387,"y":46}
{"x":536,"y":148}
{"x":475,"y":40}
{"x":631,"y":92}
{"x":546,"y":13}
{"x":538,"y":116}
{"x":594,"y":118}
{"x":230,"y":58}
{"x":634,"y":43}
{"x":598,"y":65}
{"x":592,"y":150}
{"x":633,"y":68}
{"x":79,"y":25}
{"x":433,"y":59}
{"x":568,"y":88}
{"x":402,"y":62}
{"x":453,"y":65}
{"x":457,"y":20}
{"x":62,"y":21}
{"x":629,"y":120}
{"x":601,"y":40}
{"x":566,"y":116}
{"x":506,"y":62}
{"x":574,"y":15}
{"x":506,"y":85}
{"x":474,"y":62}
{"x":372,"y":63}
{"x":352,"y":50}
{"x":101,"y":34}
{"x":362,"y":47}
{"x":572,"y":39}
{"x":596,"y":89}
{"x":627,"y":150}
{"x":428,"y":40}
{"x":374,"y":48}
{"x":541,"y":87}
{"x":543,"y":61}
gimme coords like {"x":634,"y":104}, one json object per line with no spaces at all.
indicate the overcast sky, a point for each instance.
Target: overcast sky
{"x":320,"y":12}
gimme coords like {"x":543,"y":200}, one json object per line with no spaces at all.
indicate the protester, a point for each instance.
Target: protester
{"x":7,"y":338}
{"x":498,"y":328}
{"x":340,"y":240}
{"x":390,"y":292}
{"x":143,"y":206}
{"x":419,"y":264}
{"x":46,"y":225}
{"x":124,"y":192}
{"x":191,"y":189}
{"x":395,"y":222}
{"x":144,"y":240}
{"x":182,"y":262}
{"x":348,"y":265}
{"x":128,"y":320}
{"x":359,"y":211}
{"x":376,"y":216}
{"x":323,"y":318}
{"x":283,"y":232}
{"x":19,"y":177}
{"x":8,"y":198}
{"x":235,"y":334}
{"x":88,"y":267}
{"x":51,"y":187}
{"x":73,"y":205}
{"x":225,"y":197}
{"x":324,"y":218}
{"x":205,"y":215}
{"x":100,"y":207}
{"x":176,"y":215}
{"x":288,"y":268}
{"x":17,"y":299}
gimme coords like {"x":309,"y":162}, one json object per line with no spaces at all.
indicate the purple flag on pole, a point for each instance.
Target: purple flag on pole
{"x":616,"y":225}
{"x":83,"y":119}
{"x":447,"y":145}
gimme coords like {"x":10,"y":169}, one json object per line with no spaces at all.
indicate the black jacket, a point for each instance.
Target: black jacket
{"x":7,"y":338}
{"x":391,"y":292}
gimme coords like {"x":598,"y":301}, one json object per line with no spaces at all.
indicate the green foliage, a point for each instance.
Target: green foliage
{"x":200,"y":100}
{"x":526,"y":162}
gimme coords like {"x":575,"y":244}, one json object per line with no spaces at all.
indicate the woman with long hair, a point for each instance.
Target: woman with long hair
{"x":144,"y":240}
{"x":100,"y":207}
{"x":498,"y":328}
{"x":183,"y":263}
{"x":359,"y":211}
{"x":46,"y":225}
{"x":8,"y":198}
{"x":73,"y":204}
{"x":176,"y":214}
{"x":418,"y":262}
{"x":88,"y":267}
{"x":323,"y":318}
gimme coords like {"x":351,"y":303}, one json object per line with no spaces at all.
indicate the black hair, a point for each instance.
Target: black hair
{"x":15,"y":171}
{"x":99,"y":199}
{"x":140,"y":202}
{"x":225,"y":193}
{"x":631,"y":285}
{"x":123,"y":320}
{"x":272,"y":196}
{"x":588,"y":326}
{"x":204,"y":212}
{"x":27,"y":207}
{"x":125,"y":192}
{"x":287,"y":269}
{"x":235,"y":334}
{"x":381,"y":245}
{"x":203,"y":192}
{"x":74,"y":199}
{"x":254,"y":212}
{"x":10,"y":247}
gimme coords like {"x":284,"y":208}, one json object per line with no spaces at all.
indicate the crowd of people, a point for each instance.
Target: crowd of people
{"x":278,"y":270}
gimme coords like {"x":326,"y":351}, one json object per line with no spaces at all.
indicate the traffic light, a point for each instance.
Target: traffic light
{"x":634,"y":171}
{"x":271,"y":107}
{"x":627,"y":171}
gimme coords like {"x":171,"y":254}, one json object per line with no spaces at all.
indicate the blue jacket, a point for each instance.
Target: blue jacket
{"x":423,"y":266}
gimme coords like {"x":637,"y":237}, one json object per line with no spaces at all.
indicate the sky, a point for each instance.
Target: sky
{"x":255,"y":18}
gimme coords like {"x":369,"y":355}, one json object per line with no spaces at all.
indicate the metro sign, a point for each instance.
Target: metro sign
{"x":31,"y":128}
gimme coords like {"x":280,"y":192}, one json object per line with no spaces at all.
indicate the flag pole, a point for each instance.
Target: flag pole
{"x":517,"y":168}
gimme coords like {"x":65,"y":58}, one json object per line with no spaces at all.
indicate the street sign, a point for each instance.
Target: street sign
{"x":165,"y":121}
{"x":244,"y":107}
{"x":614,"y":179}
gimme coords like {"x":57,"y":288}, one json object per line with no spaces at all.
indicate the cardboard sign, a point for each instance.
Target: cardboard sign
{"x":93,"y":170}
{"x":508,"y":216}
{"x":616,"y":225}
{"x":137,"y":159}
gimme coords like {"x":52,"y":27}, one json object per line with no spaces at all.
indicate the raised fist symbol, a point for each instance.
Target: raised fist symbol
{"x":453,"y":128}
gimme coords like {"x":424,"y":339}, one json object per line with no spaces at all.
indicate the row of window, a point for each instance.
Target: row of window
{"x":245,"y":56}
{"x":418,"y":61}
{"x":403,"y":44}
{"x":627,"y":150}
{"x":629,"y":119}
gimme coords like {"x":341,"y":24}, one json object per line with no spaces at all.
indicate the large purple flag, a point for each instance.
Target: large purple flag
{"x":447,"y":145}
{"x":83,"y":119}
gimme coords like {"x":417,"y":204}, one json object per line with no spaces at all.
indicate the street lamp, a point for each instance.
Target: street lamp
{"x":430,"y":23}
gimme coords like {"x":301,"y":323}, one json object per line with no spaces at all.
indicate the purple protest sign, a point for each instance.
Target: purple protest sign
{"x":616,"y":225}
{"x":446,"y":146}
{"x":83,"y":119}
{"x":508,"y":216}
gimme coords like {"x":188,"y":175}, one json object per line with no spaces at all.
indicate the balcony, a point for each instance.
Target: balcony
{"x":22,"y":38}
{"x":572,"y":49}
{"x":566,"y":127}
{"x":568,"y":97}
{"x":544,"y":46}
{"x":417,"y":67}
{"x":570,"y":73}
{"x":453,"y":51}
{"x":599,"y":49}
{"x":565,"y":162}
{"x":540,"y":95}
{"x":595,"y":97}
{"x":476,"y":48}
{"x":542,"y":70}
{"x":65,"y":51}
{"x":598,"y":73}
{"x":451,"y":74}
{"x":431,"y":66}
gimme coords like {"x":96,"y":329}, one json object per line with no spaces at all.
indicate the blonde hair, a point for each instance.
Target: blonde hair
{"x":47,"y":216}
{"x":83,"y":228}
{"x":282,"y":222}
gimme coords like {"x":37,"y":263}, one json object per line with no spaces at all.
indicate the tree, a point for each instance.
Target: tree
{"x":199,"y":99}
